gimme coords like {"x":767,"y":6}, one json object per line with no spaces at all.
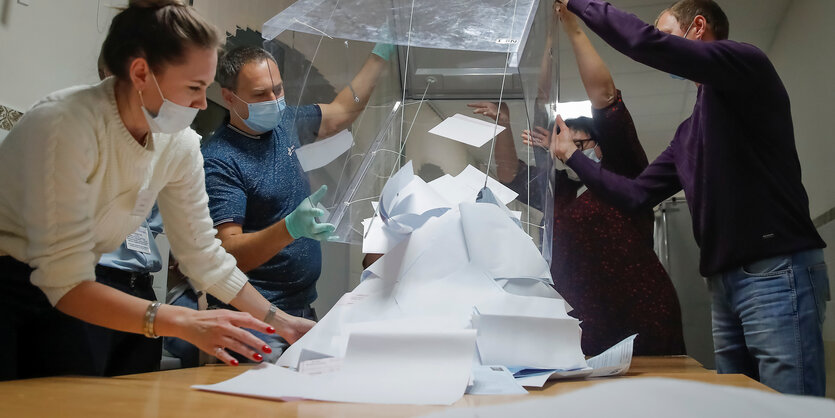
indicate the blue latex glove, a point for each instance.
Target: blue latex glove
{"x":384,"y":51}
{"x":302,"y":221}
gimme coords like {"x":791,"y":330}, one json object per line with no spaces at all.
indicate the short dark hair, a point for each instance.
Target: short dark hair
{"x":157,"y":30}
{"x":232,"y":61}
{"x":686,"y":10}
{"x":581,"y":124}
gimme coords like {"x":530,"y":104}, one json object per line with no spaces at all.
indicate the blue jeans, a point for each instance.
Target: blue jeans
{"x":189,"y":354}
{"x":767,"y":319}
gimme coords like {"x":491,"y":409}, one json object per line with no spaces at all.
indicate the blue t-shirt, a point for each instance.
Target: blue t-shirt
{"x":256,"y":181}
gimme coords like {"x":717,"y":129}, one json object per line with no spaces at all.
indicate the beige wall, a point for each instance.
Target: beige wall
{"x":50,"y":45}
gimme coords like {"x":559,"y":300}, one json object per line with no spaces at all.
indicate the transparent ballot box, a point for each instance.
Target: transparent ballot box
{"x":443,"y":56}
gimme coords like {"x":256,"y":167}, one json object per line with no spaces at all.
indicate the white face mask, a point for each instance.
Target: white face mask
{"x":171,"y":117}
{"x":590,"y":154}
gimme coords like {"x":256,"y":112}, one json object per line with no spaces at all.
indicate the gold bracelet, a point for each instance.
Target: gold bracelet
{"x":150,"y":316}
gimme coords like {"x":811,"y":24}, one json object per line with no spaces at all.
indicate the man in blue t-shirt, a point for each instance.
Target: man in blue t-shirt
{"x":258,"y":192}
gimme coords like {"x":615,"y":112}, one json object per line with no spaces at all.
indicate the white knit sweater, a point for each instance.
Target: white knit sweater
{"x":70,"y":175}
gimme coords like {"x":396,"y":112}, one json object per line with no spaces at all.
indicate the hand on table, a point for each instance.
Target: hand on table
{"x":217,"y":330}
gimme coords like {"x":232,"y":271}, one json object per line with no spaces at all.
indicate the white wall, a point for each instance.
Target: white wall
{"x":50,"y":45}
{"x":804,"y":56}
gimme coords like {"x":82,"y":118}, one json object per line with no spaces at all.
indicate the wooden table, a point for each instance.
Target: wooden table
{"x":168,"y":393}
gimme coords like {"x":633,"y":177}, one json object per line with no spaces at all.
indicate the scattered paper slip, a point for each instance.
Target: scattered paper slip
{"x":494,"y":380}
{"x":614,"y":361}
{"x":426,"y":368}
{"x":471,"y":131}
{"x":323,"y":152}
{"x":473,"y":179}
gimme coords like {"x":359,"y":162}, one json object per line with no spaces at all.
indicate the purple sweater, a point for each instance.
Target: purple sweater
{"x":735,"y":157}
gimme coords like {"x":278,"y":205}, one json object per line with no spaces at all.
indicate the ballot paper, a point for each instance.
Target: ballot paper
{"x":613,"y":362}
{"x":421,"y":368}
{"x":406,"y":203}
{"x":472,"y":179}
{"x":655,"y":397}
{"x":466,"y":274}
{"x":378,"y":239}
{"x":452,"y":190}
{"x":538,"y":377}
{"x":322,"y":152}
{"x":369,"y":301}
{"x":494,"y":380}
{"x":471,"y":131}
{"x":543,"y":343}
{"x":513,"y":255}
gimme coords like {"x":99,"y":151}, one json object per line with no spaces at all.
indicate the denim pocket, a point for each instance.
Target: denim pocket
{"x":820,"y":285}
{"x":769,"y":295}
{"x":773,"y":266}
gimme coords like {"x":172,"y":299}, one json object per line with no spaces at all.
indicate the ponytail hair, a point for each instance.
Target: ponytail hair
{"x":159,"y":31}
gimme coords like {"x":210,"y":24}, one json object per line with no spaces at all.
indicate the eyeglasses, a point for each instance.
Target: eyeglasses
{"x":581,"y":143}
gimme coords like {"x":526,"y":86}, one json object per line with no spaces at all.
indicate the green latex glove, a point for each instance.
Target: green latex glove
{"x":384,"y":51}
{"x":302,"y":221}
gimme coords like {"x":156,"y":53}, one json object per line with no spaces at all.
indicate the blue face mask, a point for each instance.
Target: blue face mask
{"x":263,"y":116}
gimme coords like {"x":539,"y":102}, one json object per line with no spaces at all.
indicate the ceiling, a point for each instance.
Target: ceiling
{"x":659,"y":103}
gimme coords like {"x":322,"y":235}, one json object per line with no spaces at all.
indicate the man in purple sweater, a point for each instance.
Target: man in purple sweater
{"x":736,"y":160}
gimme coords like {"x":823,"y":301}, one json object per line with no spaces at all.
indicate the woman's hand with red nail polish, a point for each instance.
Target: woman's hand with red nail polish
{"x":217,"y":330}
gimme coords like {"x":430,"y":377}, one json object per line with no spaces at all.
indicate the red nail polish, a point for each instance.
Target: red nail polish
{"x":234,"y":362}
{"x":266,"y":349}
{"x":257,"y":356}
{"x":270,"y":330}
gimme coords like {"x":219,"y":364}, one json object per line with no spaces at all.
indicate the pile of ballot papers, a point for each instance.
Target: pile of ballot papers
{"x":460,"y":302}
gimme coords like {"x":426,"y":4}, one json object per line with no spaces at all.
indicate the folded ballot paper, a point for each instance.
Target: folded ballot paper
{"x":461,"y":302}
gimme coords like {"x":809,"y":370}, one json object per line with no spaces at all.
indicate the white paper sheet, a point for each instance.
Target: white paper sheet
{"x":395,"y":184}
{"x":383,"y":368}
{"x":541,"y":343}
{"x":614,"y":361}
{"x":434,"y":279}
{"x":379,"y":239}
{"x":322,"y":152}
{"x":473,"y":179}
{"x":454,"y":296}
{"x":369,"y":301}
{"x":512,"y":256}
{"x":494,"y":380}
{"x":527,"y":306}
{"x":655,"y":398}
{"x":452,"y":190}
{"x":471,"y":131}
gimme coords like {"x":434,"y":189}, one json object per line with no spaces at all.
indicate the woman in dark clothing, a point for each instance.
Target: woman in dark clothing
{"x":603,"y":263}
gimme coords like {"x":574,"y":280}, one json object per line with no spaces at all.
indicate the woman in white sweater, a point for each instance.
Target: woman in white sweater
{"x":80,"y":172}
